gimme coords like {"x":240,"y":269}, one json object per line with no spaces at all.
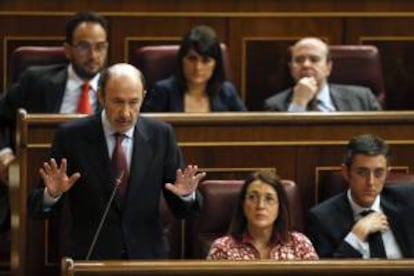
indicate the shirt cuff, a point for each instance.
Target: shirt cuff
{"x":296,"y":108}
{"x":48,"y":200}
{"x":358,"y":245}
{"x":189,"y":198}
{"x":6,"y":150}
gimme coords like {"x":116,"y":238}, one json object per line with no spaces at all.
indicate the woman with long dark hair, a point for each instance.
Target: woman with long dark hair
{"x":198,"y":83}
{"x":260,"y":228}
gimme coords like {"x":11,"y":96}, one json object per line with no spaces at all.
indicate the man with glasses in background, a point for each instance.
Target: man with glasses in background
{"x":310,"y":67}
{"x":59,"y":88}
{"x":369,"y":220}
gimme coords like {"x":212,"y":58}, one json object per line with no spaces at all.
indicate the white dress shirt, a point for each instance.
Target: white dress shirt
{"x":324,"y":102}
{"x":392,"y":249}
{"x":73,"y":91}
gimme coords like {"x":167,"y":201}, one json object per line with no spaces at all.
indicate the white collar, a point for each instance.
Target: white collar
{"x":74,"y":81}
{"x":357,"y":209}
{"x":109,"y":130}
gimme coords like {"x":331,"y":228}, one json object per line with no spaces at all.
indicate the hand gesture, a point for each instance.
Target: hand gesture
{"x":55,"y":177}
{"x":371,"y":223}
{"x":304,"y":91}
{"x":5,"y":161}
{"x":186,"y":182}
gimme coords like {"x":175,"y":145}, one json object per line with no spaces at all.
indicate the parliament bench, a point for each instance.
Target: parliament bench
{"x":227,"y":146}
{"x":240,"y":268}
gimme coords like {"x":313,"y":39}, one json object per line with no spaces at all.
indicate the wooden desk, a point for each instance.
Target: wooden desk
{"x":226,"y":145}
{"x":224,"y":268}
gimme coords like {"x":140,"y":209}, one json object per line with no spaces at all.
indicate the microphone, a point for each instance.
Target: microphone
{"x":105,"y":214}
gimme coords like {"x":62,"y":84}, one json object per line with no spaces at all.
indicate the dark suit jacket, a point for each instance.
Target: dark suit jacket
{"x":167,"y":96}
{"x":40,"y":89}
{"x":329,"y":222}
{"x":134,"y":226}
{"x":344,"y":97}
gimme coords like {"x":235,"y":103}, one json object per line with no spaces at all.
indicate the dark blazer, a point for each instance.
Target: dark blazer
{"x":329,"y":222}
{"x":135,"y":225}
{"x":344,"y":97}
{"x":40,"y":89}
{"x":167,"y":96}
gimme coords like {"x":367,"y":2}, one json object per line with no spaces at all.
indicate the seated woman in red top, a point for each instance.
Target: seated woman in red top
{"x":260,"y":228}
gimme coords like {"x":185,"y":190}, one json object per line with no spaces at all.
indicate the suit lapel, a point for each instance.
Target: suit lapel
{"x":96,"y":145}
{"x":347,"y":221}
{"x":54,"y":92}
{"x":141,"y":156}
{"x":396,"y":219}
{"x":338,"y":100}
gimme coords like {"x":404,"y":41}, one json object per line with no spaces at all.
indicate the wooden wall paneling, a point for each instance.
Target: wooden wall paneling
{"x":398,"y":71}
{"x":395,"y":42}
{"x":126,"y":6}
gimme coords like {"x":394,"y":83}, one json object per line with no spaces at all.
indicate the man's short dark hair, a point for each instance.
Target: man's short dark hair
{"x":81,"y":17}
{"x":366,"y":144}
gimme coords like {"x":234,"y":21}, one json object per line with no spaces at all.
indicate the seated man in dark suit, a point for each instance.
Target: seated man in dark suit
{"x":56,"y":88}
{"x":369,"y":220}
{"x":310,"y":67}
{"x":116,"y":155}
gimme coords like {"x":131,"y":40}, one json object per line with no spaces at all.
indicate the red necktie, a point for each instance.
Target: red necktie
{"x":119,"y":163}
{"x":84,"y":104}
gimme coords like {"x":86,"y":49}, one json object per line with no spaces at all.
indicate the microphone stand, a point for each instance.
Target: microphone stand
{"x":105,"y":214}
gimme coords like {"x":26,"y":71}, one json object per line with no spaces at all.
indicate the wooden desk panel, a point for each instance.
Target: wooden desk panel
{"x":245,"y":268}
{"x":226,"y":145}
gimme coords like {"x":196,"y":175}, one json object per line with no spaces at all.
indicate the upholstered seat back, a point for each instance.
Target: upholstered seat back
{"x":25,"y":56}
{"x":158,"y":62}
{"x":358,"y":65}
{"x":220,"y":199}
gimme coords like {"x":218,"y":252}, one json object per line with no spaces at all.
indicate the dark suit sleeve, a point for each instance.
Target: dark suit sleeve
{"x":180,"y":208}
{"x":9,"y":103}
{"x":372,"y":101}
{"x":279,"y":101}
{"x":157,"y":99}
{"x":232,"y":99}
{"x":35,"y":201}
{"x":328,"y":241}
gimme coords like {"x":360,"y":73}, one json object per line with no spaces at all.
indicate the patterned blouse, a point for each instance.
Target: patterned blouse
{"x":227,"y":248}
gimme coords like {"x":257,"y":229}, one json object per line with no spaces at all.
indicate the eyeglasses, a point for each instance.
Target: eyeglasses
{"x":84,"y":47}
{"x":269,"y":200}
{"x":365,"y":172}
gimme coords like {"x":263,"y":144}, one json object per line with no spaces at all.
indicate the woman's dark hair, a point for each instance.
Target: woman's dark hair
{"x":203,"y":40}
{"x":282,"y":224}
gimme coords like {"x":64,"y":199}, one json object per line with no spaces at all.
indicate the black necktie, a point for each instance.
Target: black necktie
{"x":119,"y":163}
{"x":314,"y":105}
{"x":376,"y":245}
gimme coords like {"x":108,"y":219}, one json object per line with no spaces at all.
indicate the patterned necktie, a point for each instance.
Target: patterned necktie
{"x":376,"y":245}
{"x":119,"y":163}
{"x":314,"y":105}
{"x":84,"y":103}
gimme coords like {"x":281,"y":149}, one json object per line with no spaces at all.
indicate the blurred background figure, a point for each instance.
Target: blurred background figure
{"x":198,"y":84}
{"x":260,"y":228}
{"x":310,"y":67}
{"x":59,"y":88}
{"x":369,"y":220}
